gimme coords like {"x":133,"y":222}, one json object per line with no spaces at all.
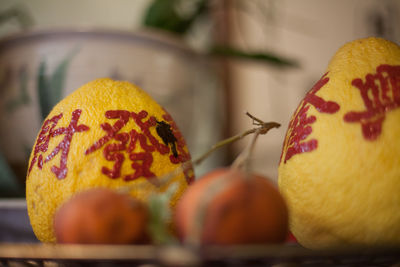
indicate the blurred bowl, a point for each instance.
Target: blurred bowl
{"x":38,"y":68}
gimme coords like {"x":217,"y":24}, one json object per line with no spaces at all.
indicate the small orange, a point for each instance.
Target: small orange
{"x":227,"y":206}
{"x":101,"y":216}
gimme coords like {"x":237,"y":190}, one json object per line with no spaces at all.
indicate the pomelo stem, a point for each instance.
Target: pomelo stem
{"x":242,"y":162}
{"x":263,"y":128}
{"x":195,"y":236}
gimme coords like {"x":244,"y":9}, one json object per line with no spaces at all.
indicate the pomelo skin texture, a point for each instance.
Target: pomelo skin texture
{"x":340,"y":164}
{"x":105,"y":134}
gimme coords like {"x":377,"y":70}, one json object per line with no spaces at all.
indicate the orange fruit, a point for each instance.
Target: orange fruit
{"x":105,"y":134}
{"x":228,"y":207}
{"x":340,"y":165}
{"x":101,"y":216}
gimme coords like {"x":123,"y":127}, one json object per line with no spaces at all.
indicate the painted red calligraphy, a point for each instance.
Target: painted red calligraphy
{"x":300,"y":126}
{"x":380,"y":93}
{"x":42,"y":143}
{"x":116,"y":144}
{"x":111,"y":150}
{"x":141,"y":163}
{"x":47,"y":132}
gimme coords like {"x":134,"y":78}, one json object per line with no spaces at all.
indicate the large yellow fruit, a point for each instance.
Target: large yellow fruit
{"x":105,"y":134}
{"x":340,"y":163}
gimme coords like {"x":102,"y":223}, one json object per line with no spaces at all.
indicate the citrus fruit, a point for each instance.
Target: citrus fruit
{"x":340,"y":163}
{"x":105,"y":134}
{"x":101,"y":216}
{"x":228,"y":206}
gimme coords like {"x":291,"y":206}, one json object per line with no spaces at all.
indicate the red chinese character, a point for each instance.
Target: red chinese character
{"x":47,"y":132}
{"x":113,"y":152}
{"x":126,"y":142}
{"x":110,"y":152}
{"x":380,"y":93}
{"x":42,"y":142}
{"x":300,"y":126}
{"x":141,"y":163}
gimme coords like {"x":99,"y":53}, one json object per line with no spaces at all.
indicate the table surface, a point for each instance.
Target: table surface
{"x":18,"y":243}
{"x":244,"y":255}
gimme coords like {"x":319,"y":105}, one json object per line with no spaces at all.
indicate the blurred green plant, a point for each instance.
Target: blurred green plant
{"x":50,"y":86}
{"x":23,"y":97}
{"x":9,"y":186}
{"x":20,"y":14}
{"x":179,"y":16}
{"x":160,"y":215}
{"x":165,"y":15}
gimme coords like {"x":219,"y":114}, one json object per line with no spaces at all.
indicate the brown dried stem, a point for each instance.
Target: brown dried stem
{"x":242,"y":162}
{"x":262,"y":128}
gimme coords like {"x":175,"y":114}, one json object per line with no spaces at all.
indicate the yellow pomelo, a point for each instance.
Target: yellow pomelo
{"x":105,"y":134}
{"x":340,"y":163}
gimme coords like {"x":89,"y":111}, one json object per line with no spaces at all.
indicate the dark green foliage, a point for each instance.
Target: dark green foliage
{"x":9,"y":186}
{"x":50,"y":87}
{"x":160,"y":214}
{"x":163,"y":14}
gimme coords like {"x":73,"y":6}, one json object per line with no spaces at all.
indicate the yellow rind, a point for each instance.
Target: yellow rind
{"x":45,"y":192}
{"x":347,"y":190}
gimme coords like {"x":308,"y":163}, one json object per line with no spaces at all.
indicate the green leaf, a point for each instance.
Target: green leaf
{"x":9,"y":186}
{"x":57,"y":80}
{"x":20,"y":13}
{"x":50,"y":87}
{"x":160,"y":216}
{"x":163,"y":15}
{"x":268,"y":58}
{"x":44,"y":91}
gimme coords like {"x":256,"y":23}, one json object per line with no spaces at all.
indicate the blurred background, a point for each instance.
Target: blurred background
{"x":206,"y":61}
